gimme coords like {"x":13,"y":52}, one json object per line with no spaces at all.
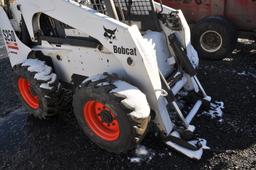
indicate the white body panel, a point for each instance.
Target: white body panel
{"x":144,"y":72}
{"x":17,"y":51}
{"x":134,"y":58}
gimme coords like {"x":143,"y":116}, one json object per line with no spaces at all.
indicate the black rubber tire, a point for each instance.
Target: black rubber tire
{"x":50,"y":100}
{"x":224,"y":28}
{"x":132,"y":130}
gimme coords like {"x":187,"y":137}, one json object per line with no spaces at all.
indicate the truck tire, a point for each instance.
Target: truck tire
{"x":214,"y":38}
{"x":38,"y":88}
{"x":111,"y":118}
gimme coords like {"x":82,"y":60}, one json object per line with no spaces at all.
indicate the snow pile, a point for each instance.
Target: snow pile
{"x":134,"y":98}
{"x":142,"y":154}
{"x":43,"y":72}
{"x":215,"y":111}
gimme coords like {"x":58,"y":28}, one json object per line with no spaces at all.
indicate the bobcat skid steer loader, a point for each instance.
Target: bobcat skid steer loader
{"x":129,"y":63}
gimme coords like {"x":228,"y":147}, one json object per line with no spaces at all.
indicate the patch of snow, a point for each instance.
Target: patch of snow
{"x":47,"y":70}
{"x":245,"y":41}
{"x":175,"y":134}
{"x":215,"y":110}
{"x":94,"y":78}
{"x":135,"y":99}
{"x":228,"y":59}
{"x":157,"y":40}
{"x":141,"y":150}
{"x":36,"y":68}
{"x":183,"y":93}
{"x":53,"y":78}
{"x":42,"y":77}
{"x":45,"y":86}
{"x":103,"y":84}
{"x":191,"y":128}
{"x":253,"y":51}
{"x":43,"y":71}
{"x":242,"y":73}
{"x":34,"y":65}
{"x":142,"y":154}
{"x":135,"y":160}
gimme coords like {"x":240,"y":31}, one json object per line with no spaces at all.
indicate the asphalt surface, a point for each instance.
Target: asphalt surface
{"x":2,"y":49}
{"x":58,"y":143}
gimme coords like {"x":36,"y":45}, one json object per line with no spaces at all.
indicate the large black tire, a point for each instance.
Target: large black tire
{"x":34,"y":78}
{"x":131,"y":129}
{"x":214,"y":38}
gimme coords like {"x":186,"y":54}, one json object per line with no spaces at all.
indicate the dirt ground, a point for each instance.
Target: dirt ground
{"x":28,"y":143}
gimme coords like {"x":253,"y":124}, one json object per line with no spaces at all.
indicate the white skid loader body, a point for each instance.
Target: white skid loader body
{"x":13,"y":45}
{"x":134,"y":57}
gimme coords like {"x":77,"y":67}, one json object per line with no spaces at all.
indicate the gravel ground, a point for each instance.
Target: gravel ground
{"x":28,"y":143}
{"x":2,"y":49}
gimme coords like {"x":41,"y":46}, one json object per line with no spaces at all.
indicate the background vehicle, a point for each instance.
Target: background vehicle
{"x":218,"y":23}
{"x":126,"y":64}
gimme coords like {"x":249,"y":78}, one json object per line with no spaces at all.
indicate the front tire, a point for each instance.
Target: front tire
{"x":38,"y":88}
{"x":111,"y":118}
{"x":214,"y":38}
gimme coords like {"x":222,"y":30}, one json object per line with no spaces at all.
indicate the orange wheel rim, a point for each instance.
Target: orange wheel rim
{"x":25,"y":91}
{"x":101,"y":120}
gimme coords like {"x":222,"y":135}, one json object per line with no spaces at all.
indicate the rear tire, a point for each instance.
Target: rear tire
{"x":38,"y":88}
{"x":214,"y":38}
{"x":98,"y":105}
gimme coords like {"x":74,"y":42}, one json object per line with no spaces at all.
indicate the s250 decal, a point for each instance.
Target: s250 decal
{"x":9,"y":35}
{"x":10,"y":40}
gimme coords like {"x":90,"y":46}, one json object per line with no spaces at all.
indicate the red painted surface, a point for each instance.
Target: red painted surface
{"x":25,"y":91}
{"x":108,"y":131}
{"x":241,"y":13}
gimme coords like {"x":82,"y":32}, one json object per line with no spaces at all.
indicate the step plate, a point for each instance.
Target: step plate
{"x":190,"y":153}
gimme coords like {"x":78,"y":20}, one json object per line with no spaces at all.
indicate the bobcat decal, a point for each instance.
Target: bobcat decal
{"x":110,"y":34}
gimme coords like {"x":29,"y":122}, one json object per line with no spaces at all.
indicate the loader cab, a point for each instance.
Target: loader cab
{"x":132,"y":12}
